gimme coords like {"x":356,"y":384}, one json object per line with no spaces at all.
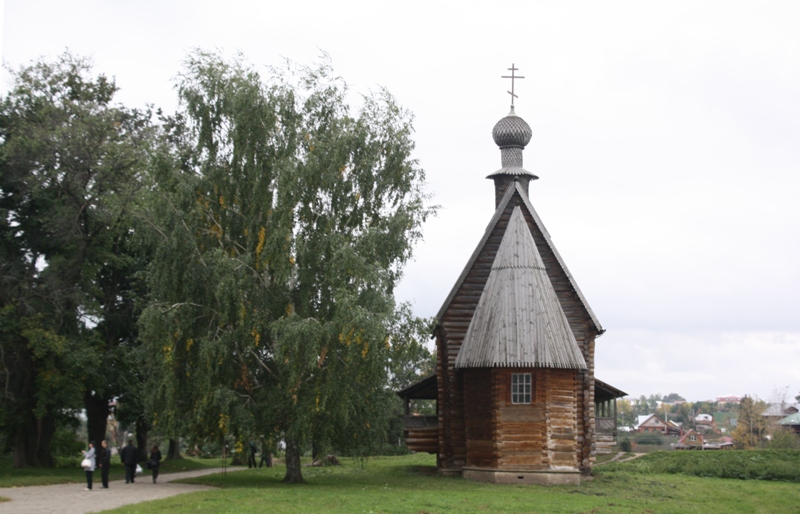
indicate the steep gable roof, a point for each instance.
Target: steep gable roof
{"x":519,"y":320}
{"x":492,"y":223}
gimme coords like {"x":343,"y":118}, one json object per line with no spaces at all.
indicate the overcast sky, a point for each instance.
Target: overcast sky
{"x":666,"y":136}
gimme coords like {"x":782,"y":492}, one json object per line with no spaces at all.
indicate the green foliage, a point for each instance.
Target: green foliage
{"x":783,"y":465}
{"x":652,"y":438}
{"x":281,"y":222}
{"x":751,"y":427}
{"x":69,"y":172}
{"x":625,"y":445}
{"x":784,"y":439}
{"x":66,"y":448}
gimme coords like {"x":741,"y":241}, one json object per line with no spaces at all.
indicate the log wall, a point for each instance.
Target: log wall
{"x":450,"y":334}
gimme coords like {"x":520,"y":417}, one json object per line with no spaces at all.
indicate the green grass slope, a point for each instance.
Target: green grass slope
{"x":409,"y":484}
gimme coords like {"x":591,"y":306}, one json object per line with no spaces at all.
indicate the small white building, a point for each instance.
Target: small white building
{"x":704,"y":419}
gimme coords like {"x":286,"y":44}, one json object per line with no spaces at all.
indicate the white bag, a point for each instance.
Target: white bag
{"x":138,"y":469}
{"x":86,"y":464}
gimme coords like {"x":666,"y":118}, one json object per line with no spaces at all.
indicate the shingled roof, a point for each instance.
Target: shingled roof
{"x":519,"y":321}
{"x":509,"y":194}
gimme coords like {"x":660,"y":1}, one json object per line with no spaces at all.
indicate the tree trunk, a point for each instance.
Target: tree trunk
{"x":142,"y":427}
{"x":294,"y":473}
{"x":97,"y":411}
{"x":32,"y":441}
{"x":174,"y":452}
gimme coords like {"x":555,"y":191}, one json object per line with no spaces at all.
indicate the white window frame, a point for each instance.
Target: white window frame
{"x":521,"y":388}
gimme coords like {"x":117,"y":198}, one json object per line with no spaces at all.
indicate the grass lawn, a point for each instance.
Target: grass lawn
{"x":409,"y":485}
{"x":10,"y":477}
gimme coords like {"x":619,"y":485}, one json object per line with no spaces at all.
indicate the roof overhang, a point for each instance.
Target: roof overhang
{"x":425,"y":389}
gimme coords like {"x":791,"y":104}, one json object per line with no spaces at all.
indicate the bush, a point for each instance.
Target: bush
{"x":652,"y":438}
{"x":66,"y":448}
{"x":783,"y":465}
{"x":625,"y":445}
{"x":783,"y":439}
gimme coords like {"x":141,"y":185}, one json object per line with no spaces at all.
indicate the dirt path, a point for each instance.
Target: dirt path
{"x":73,"y":499}
{"x":618,"y":458}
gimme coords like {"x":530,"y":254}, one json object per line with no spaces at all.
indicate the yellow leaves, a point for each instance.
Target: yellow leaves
{"x":221,"y":201}
{"x":358,"y":196}
{"x":167,"y":354}
{"x":216,"y":230}
{"x":244,"y":380}
{"x":256,"y":336}
{"x":239,"y":446}
{"x":365,"y":350}
{"x":386,"y":343}
{"x":347,"y":339}
{"x":322,"y":355}
{"x":189,"y":343}
{"x":291,"y":260}
{"x":261,"y":237}
{"x":224,"y":422}
{"x":290,"y":309}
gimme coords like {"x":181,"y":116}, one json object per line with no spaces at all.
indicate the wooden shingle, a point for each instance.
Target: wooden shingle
{"x":519,"y":321}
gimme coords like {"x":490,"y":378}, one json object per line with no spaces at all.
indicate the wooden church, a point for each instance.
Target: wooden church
{"x":515,"y":392}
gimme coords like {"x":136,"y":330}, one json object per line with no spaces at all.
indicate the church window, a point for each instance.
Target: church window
{"x":520,"y":388}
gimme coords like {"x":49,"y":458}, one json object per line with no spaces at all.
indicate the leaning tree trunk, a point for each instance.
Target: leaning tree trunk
{"x":174,"y":452}
{"x":294,"y":472}
{"x":97,"y":411}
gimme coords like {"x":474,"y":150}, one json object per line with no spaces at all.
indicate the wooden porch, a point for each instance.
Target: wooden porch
{"x":421,"y":433}
{"x":605,"y":415}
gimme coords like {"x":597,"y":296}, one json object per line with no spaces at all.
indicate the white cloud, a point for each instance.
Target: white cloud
{"x":665,"y":135}
{"x":699,"y":365}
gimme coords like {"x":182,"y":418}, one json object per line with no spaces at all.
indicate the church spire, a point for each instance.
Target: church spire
{"x":512,"y":134}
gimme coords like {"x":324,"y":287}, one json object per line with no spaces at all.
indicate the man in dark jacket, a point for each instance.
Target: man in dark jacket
{"x":128,"y":456}
{"x":251,"y":461}
{"x":105,"y":463}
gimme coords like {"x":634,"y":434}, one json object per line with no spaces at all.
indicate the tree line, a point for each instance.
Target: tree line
{"x":224,"y":272}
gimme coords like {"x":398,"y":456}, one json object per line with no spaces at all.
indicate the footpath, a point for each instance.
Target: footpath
{"x":73,"y":499}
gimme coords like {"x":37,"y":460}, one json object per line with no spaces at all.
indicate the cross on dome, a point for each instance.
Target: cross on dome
{"x":513,"y":77}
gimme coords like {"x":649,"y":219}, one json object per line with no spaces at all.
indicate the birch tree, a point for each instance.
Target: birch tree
{"x":282,"y":218}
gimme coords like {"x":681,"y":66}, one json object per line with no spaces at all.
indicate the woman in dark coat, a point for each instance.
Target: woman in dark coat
{"x":155,"y":461}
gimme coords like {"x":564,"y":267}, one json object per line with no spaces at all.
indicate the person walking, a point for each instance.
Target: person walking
{"x":128,"y":456}
{"x":251,"y":461}
{"x":155,"y":461}
{"x":89,"y":455}
{"x":105,"y":462}
{"x":266,"y":456}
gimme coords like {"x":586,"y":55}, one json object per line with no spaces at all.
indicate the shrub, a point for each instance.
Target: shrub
{"x":66,"y":448}
{"x":625,"y":445}
{"x":783,"y":439}
{"x":783,"y":465}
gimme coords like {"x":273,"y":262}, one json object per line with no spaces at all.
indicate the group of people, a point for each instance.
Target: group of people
{"x":129,"y":459}
{"x":266,"y":456}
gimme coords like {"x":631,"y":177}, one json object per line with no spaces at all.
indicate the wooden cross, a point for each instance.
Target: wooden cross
{"x":513,"y":77}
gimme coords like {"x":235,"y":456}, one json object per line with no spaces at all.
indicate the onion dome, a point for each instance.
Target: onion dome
{"x":512,"y":132}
